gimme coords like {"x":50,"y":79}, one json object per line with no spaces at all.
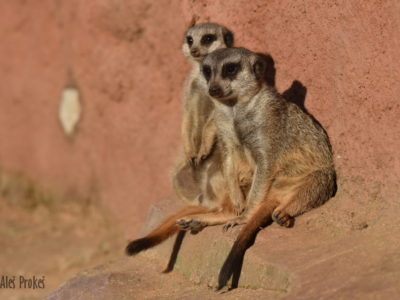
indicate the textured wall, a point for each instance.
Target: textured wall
{"x":124,"y":56}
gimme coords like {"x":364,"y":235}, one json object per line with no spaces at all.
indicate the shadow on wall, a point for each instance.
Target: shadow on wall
{"x":296,"y":93}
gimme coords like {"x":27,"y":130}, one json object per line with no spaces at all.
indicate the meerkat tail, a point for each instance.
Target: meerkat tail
{"x":162,"y":232}
{"x":245,"y":239}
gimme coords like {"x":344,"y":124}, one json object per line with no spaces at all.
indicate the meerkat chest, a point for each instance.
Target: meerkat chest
{"x":248,"y":126}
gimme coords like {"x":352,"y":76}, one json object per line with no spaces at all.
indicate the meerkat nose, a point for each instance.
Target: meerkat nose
{"x":195,"y":52}
{"x":215,"y":91}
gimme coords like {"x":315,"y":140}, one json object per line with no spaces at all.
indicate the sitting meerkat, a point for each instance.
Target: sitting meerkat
{"x":198,"y":179}
{"x":194,"y":172}
{"x":294,"y":170}
{"x":200,"y":40}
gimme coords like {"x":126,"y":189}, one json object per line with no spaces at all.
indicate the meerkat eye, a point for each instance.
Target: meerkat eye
{"x":207,"y":72}
{"x":230,"y":70}
{"x":189,"y":40}
{"x":207,"y":39}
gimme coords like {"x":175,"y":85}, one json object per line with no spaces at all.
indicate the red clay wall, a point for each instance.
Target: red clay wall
{"x":125,"y":58}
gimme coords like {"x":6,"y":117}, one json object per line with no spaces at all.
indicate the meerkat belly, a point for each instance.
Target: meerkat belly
{"x":200,"y":108}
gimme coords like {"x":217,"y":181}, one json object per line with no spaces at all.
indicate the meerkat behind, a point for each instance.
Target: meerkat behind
{"x":198,"y":130}
{"x":197,"y":179}
{"x":199,"y":41}
{"x":294,"y":170}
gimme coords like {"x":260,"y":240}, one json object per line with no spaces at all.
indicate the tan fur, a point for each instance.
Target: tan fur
{"x":290,"y":152}
{"x":198,"y":178}
{"x":198,"y":135}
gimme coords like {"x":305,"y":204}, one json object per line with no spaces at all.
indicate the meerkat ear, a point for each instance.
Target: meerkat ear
{"x":259,"y":68}
{"x":193,"y":21}
{"x":228,"y":37}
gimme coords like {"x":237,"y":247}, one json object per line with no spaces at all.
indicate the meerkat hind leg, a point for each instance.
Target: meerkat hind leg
{"x":195,"y":222}
{"x":282,"y":218}
{"x":286,"y":190}
{"x":299,"y":194}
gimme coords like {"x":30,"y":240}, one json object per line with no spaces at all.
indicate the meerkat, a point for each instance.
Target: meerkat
{"x":200,"y":40}
{"x":293,"y":164}
{"x":198,"y":131}
{"x":198,"y":179}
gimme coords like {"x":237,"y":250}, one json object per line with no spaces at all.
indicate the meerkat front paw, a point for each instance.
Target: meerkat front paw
{"x":245,"y":177}
{"x":200,"y":158}
{"x":239,"y":209}
{"x":191,"y":158}
{"x":232,"y":223}
{"x":203,"y":154}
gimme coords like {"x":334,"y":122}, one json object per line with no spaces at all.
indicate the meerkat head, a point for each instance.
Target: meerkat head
{"x":202,"y":39}
{"x":233,"y":73}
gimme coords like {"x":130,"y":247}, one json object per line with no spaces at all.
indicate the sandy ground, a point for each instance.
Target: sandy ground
{"x":41,"y":237}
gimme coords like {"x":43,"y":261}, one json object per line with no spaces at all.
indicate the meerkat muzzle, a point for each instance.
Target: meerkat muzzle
{"x":195,"y":52}
{"x":215,"y":91}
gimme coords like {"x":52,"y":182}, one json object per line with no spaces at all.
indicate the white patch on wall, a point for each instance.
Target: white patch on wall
{"x":70,"y":110}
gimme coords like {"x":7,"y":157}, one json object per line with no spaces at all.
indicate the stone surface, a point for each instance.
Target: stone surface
{"x":140,"y":278}
{"x":317,"y":259}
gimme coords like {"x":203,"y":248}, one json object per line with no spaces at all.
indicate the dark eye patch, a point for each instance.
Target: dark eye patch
{"x":207,"y":39}
{"x":206,"y":72}
{"x":230,"y":70}
{"x":189,"y":40}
